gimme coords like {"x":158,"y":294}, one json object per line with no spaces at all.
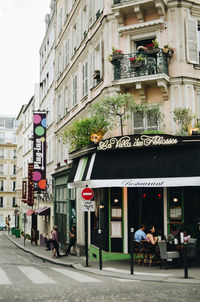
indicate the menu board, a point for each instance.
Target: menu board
{"x":175,"y":213}
{"x":116,"y":229}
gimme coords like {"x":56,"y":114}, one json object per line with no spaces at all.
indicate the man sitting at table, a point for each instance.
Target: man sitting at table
{"x":140,"y":234}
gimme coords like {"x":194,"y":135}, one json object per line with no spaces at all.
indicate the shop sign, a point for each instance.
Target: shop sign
{"x":136,"y":141}
{"x":30,"y":185}
{"x":88,"y":206}
{"x":24,"y":191}
{"x":39,"y":151}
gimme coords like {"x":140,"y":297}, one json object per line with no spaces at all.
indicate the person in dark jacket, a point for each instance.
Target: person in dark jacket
{"x":72,"y":240}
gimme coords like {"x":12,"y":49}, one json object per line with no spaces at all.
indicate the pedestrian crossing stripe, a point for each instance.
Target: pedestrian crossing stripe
{"x":35,"y":275}
{"x":3,"y":278}
{"x":76,"y":276}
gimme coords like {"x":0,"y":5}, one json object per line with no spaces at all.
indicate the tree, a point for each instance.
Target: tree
{"x":115,"y":109}
{"x":183,"y":117}
{"x":78,"y":135}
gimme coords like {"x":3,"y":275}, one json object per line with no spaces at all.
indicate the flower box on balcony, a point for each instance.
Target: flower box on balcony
{"x":117,"y":56}
{"x":136,"y":64}
{"x":153,"y":50}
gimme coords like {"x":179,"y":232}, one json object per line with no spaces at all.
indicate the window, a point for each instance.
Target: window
{"x":9,"y":123}
{"x":85,"y":78}
{"x":14,"y":169}
{"x":1,"y":169}
{"x":60,"y":21}
{"x":75,"y":90}
{"x":1,"y":202}
{"x":13,"y":201}
{"x":14,"y":153}
{"x":2,"y":138}
{"x":67,"y":52}
{"x":1,"y":185}
{"x":142,"y":123}
{"x":2,"y":122}
{"x":199,"y":42}
{"x":1,"y":153}
{"x":14,"y":185}
{"x":74,"y":37}
{"x":66,"y":99}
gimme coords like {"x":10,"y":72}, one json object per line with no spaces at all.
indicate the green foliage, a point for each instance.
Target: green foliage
{"x":78,"y":134}
{"x":115,"y":109}
{"x":183,"y":118}
{"x":153,"y":132}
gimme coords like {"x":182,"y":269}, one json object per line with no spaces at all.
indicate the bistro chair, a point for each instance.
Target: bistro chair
{"x":191,"y":247}
{"x":165,"y":255}
{"x":138,"y":251}
{"x":148,"y":252}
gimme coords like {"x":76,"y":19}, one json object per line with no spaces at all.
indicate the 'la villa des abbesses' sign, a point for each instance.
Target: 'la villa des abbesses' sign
{"x":143,"y":140}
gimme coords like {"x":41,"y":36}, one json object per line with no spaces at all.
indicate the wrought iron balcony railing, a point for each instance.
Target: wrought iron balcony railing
{"x":152,"y":63}
{"x":120,"y":1}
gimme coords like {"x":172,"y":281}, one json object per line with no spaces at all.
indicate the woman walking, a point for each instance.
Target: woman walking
{"x":55,"y":241}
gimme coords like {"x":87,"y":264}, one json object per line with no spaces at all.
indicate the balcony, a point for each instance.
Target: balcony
{"x":152,"y":71}
{"x":123,"y":9}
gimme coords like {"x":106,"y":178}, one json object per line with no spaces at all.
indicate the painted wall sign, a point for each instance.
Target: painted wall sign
{"x":30,"y":185}
{"x":137,"y":141}
{"x":39,"y":151}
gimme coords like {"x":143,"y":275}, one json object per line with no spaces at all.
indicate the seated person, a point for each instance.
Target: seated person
{"x":140,"y":234}
{"x":186,"y":236}
{"x":151,"y":235}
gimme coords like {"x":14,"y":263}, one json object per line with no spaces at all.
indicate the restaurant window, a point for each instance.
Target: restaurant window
{"x":1,"y":202}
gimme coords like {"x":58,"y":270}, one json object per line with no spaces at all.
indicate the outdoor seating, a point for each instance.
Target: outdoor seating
{"x":191,"y":247}
{"x":149,"y":253}
{"x":166,"y":255}
{"x":138,"y":251}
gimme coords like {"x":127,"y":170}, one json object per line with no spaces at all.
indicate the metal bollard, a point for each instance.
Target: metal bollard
{"x":132,"y":254}
{"x":100,"y":250}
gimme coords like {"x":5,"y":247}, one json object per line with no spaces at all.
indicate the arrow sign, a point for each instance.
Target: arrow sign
{"x":87,"y":193}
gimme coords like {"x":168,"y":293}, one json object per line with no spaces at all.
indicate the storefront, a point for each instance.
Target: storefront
{"x":138,"y":179}
{"x":64,"y":205}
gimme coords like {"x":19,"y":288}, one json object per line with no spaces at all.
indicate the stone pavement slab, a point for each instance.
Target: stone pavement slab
{"x":116,"y":269}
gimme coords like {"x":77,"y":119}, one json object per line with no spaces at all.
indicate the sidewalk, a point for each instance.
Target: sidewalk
{"x":117,"y":269}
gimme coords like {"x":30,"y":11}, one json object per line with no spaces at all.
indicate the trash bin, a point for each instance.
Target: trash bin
{"x":17,"y":233}
{"x":13,"y":231}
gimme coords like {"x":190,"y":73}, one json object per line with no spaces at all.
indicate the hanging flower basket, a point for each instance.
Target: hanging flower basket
{"x":153,"y":50}
{"x":117,"y":56}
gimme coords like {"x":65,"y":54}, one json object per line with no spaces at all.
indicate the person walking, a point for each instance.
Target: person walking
{"x":72,"y":240}
{"x":55,"y":251}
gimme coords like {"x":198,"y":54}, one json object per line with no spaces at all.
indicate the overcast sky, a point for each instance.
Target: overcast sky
{"x":22,"y":30}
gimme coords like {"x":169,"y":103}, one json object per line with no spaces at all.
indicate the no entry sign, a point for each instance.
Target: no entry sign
{"x":87,"y":193}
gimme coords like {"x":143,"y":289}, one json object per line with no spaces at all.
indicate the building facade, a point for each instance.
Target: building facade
{"x":86,"y":31}
{"x":8,"y":168}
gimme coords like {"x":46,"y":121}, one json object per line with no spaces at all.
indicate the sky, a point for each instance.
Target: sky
{"x":22,"y":29}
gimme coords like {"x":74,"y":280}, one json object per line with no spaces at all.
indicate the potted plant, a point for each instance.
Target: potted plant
{"x":117,"y":54}
{"x":137,"y":61}
{"x":152,"y":47}
{"x":141,"y":48}
{"x":168,"y":50}
{"x":96,"y":75}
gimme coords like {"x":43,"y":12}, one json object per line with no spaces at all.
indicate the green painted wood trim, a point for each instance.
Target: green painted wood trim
{"x":109,"y":219}
{"x":123,"y":218}
{"x":83,"y":167}
{"x":106,"y":256}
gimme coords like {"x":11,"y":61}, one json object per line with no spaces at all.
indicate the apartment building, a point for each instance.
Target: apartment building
{"x":8,"y":146}
{"x":86,"y":31}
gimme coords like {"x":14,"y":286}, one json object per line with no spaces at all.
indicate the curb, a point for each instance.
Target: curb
{"x":79,"y":266}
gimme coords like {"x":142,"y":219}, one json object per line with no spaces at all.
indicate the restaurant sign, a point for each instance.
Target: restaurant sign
{"x":39,"y":151}
{"x":135,"y":141}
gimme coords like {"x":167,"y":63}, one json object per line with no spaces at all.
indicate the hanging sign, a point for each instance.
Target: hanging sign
{"x":39,"y":151}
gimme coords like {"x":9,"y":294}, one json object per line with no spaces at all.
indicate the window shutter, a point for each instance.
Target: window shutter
{"x":83,"y":79}
{"x":86,"y":77}
{"x":192,"y":41}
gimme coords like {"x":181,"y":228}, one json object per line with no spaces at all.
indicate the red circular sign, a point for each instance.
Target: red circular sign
{"x":87,"y":193}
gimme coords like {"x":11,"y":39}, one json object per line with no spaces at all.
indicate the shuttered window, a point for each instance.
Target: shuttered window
{"x":192,"y":41}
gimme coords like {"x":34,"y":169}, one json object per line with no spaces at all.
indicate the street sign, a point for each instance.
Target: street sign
{"x":87,"y":193}
{"x":88,"y":206}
